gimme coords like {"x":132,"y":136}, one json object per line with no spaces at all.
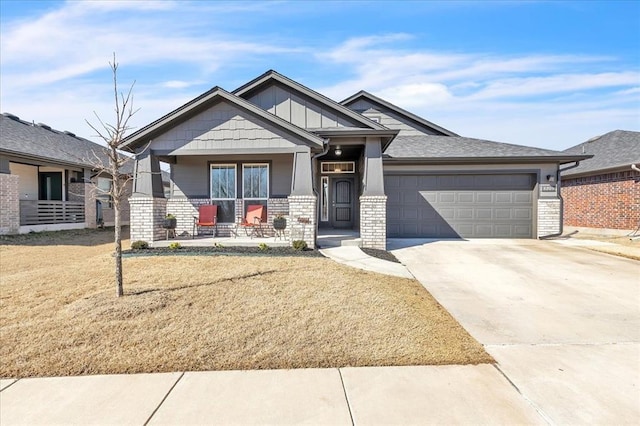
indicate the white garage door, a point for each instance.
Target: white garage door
{"x":460,"y":205}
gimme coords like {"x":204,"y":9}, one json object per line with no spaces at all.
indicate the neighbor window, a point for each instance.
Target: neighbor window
{"x":223,"y":191}
{"x":104,"y":192}
{"x":255,"y":181}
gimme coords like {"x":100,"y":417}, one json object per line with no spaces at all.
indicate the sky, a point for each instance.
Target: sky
{"x":544,"y":74}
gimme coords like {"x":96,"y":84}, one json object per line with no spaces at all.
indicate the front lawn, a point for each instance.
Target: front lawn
{"x":59,"y":314}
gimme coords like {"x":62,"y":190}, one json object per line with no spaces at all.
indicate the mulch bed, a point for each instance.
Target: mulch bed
{"x":380,"y":254}
{"x":222,"y":251}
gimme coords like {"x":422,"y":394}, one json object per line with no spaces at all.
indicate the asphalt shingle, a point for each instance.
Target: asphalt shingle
{"x":612,"y":150}
{"x":431,"y":146}
{"x":23,"y":138}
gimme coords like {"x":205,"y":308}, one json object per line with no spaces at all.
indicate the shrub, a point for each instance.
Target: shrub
{"x":170,"y":216}
{"x":263,"y":246}
{"x":299,"y":245}
{"x":175,"y":246}
{"x":139,"y":245}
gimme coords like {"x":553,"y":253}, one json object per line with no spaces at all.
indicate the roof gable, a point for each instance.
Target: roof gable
{"x":300,"y":105}
{"x":204,"y":102}
{"x":396,"y":117}
{"x":613,"y":150}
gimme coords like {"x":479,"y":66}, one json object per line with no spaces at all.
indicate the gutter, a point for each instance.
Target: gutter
{"x":558,"y":177}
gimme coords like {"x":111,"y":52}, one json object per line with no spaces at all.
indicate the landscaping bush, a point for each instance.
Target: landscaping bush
{"x":263,"y":247}
{"x":139,"y":245}
{"x":299,"y":245}
{"x":175,"y":246}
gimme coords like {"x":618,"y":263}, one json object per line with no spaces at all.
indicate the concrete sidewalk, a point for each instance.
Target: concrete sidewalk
{"x":346,"y":396}
{"x":356,"y":258}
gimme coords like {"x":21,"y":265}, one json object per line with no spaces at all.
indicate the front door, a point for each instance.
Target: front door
{"x":342,"y":203}
{"x":50,"y":186}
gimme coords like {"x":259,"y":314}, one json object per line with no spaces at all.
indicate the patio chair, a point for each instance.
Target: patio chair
{"x":207,"y":218}
{"x":252,"y":222}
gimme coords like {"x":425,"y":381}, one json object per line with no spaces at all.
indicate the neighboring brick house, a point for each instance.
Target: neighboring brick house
{"x":47,"y":179}
{"x":604,"y":191}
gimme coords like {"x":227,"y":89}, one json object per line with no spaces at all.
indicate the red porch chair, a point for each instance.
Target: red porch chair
{"x":255,"y":217}
{"x":207,"y":218}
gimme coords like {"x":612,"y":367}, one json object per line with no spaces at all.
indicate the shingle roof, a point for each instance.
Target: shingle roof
{"x":451,"y":147}
{"x":612,"y":150}
{"x":21,"y":138}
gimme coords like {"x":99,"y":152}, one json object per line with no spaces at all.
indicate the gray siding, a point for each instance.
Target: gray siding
{"x":223,"y":126}
{"x":391,"y":120}
{"x":302,"y":112}
{"x":190,"y":175}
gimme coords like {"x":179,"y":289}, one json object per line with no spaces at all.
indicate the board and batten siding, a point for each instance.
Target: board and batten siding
{"x":390,"y":119}
{"x":190,"y":174}
{"x":298,"y":110}
{"x":223,"y":126}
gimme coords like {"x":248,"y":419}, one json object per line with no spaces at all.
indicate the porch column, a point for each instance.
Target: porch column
{"x":147,"y":205}
{"x":302,"y":201}
{"x":373,"y":201}
{"x":9,"y":199}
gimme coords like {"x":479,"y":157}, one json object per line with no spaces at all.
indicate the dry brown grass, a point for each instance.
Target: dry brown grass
{"x":59,"y":314}
{"x":625,"y":246}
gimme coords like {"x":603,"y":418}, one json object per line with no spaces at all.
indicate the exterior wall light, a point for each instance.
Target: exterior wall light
{"x":338,"y":151}
{"x":551,"y":178}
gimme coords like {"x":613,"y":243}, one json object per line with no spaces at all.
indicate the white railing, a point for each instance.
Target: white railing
{"x":45,"y":212}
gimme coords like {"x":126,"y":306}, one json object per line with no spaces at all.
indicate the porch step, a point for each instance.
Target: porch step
{"x":339,"y":241}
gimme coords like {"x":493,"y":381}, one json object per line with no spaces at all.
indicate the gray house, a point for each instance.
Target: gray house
{"x":363,"y":164}
{"x":48,"y":179}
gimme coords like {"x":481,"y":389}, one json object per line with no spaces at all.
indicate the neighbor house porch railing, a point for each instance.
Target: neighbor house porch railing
{"x":46,"y":212}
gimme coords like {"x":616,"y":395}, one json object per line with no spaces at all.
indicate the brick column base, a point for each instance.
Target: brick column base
{"x":146,"y":218}
{"x":373,"y":221}
{"x":549,"y":217}
{"x":302,"y":215}
{"x":9,"y":204}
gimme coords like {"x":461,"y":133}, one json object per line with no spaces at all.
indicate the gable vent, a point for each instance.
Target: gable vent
{"x":44,"y":126}
{"x":68,"y":133}
{"x":11,"y":116}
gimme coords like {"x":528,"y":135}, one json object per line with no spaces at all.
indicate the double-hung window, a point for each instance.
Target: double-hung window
{"x":255,"y":182}
{"x":223,"y":191}
{"x":104,"y":192}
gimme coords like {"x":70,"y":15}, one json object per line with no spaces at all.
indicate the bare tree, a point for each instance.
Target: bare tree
{"x":113,"y":135}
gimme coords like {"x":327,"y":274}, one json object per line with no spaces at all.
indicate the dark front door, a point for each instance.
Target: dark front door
{"x":342,"y":203}
{"x":50,"y":186}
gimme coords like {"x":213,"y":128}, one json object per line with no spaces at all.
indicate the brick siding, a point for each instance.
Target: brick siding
{"x":610,"y":200}
{"x":373,"y":221}
{"x":549,"y":217}
{"x":302,"y":219}
{"x":9,"y":204}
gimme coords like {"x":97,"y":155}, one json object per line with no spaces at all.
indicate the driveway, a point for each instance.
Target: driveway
{"x":562,"y":322}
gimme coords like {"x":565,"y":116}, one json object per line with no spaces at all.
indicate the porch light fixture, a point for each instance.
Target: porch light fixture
{"x":338,"y":151}
{"x":551,"y":178}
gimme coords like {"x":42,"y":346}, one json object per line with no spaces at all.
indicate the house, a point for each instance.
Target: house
{"x":47,"y":179}
{"x":363,"y":164}
{"x":604,"y":191}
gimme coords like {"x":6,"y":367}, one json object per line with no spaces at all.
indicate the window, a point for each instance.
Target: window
{"x":324,"y":199}
{"x":223,"y":191}
{"x":103,"y":194}
{"x":374,"y":118}
{"x":338,"y":167}
{"x":255,"y":181}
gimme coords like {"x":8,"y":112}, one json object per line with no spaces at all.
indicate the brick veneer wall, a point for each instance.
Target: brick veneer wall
{"x":302,"y":219}
{"x":373,"y":221}
{"x":549,"y":216}
{"x":9,"y":204}
{"x":146,"y":218}
{"x":610,"y":200}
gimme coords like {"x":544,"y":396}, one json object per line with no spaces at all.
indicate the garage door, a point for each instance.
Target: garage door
{"x":460,"y":205}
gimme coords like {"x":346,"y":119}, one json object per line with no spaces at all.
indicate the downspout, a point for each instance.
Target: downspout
{"x":325,"y":150}
{"x":559,"y":183}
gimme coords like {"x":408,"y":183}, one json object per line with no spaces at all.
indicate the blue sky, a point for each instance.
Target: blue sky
{"x":545,"y":74}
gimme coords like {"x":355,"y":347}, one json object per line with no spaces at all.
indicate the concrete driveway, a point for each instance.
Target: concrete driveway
{"x":562,"y":322}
